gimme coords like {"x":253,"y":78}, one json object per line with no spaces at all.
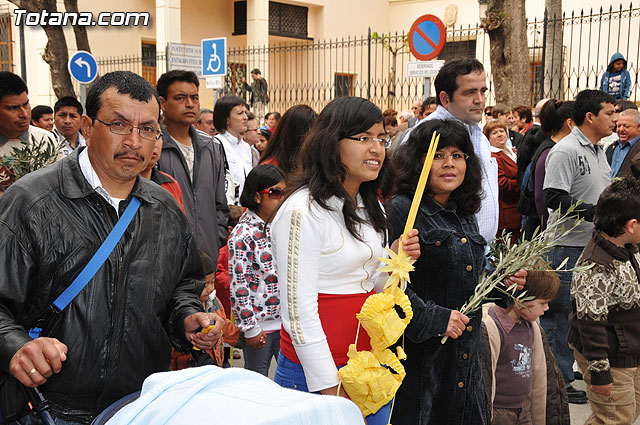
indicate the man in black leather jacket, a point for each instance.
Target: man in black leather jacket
{"x":145,"y":297}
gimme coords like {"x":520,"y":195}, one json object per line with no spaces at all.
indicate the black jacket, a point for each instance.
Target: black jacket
{"x":444,"y":382}
{"x":119,"y":329}
{"x":204,"y":199}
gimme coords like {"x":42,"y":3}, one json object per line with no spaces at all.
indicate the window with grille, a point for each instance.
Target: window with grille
{"x":343,"y":84}
{"x":6,"y":43}
{"x":458,"y":49}
{"x":149,"y":61}
{"x":285,"y":20}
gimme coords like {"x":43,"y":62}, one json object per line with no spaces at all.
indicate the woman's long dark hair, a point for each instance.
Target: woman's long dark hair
{"x":321,"y":169}
{"x":285,"y":143}
{"x":408,"y":165}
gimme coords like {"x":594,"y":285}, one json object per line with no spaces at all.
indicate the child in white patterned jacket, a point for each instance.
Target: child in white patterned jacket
{"x":255,"y":296}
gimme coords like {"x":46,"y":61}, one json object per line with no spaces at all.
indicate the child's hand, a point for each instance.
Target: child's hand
{"x":257,"y":342}
{"x":604,"y":390}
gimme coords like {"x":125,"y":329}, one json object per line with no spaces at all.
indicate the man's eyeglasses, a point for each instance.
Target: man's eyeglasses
{"x":122,"y":128}
{"x":274,"y":192}
{"x":368,"y":140}
{"x":456,"y":157}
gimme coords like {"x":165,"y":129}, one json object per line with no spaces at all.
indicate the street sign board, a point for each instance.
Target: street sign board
{"x":214,"y":56}
{"x":187,"y":57}
{"x":83,"y":67}
{"x":424,"y":68}
{"x":214,"y":82}
{"x":427,"y":37}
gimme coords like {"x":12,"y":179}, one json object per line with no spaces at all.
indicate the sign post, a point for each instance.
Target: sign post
{"x":214,"y":63}
{"x":84,"y":69}
{"x":426,"y":40}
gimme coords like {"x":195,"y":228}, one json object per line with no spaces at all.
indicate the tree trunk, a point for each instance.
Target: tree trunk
{"x":553,"y":63}
{"x":56,"y":53}
{"x":79,"y":31}
{"x":506,"y":25}
{"x":57,"y":56}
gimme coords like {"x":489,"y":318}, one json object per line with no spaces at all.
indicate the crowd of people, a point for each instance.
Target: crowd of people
{"x":268,"y":239}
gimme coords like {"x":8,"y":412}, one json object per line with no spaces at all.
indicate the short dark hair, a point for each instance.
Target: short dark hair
{"x":39,"y":111}
{"x":125,"y":82}
{"x":618,"y":203}
{"x":499,"y":109}
{"x":390,"y":120}
{"x":320,"y":166}
{"x":590,"y":101}
{"x":446,"y":78}
{"x":431,"y":100}
{"x":554,"y":114}
{"x":259,"y":178}
{"x":222,"y":111}
{"x":67,"y":101}
{"x":256,"y":71}
{"x":171,"y":77}
{"x":11,"y":84}
{"x":209,"y":266}
{"x":266,"y":134}
{"x":408,"y":164}
{"x":250,"y":116}
{"x":524,"y":112}
{"x":286,"y":141}
{"x":624,"y":104}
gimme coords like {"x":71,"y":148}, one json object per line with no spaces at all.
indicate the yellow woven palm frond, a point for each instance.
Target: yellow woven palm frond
{"x":381,"y":320}
{"x":370,"y":385}
{"x":399,"y":265}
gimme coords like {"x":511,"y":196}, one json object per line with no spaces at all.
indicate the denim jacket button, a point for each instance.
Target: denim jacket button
{"x":465,"y":356}
{"x":469,"y":268}
{"x":469,"y":328}
{"x":463,"y":240}
{"x":460,"y":384}
{"x":438,"y":243}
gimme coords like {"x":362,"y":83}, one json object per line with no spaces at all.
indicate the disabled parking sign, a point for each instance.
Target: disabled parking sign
{"x":214,"y":56}
{"x":427,"y":37}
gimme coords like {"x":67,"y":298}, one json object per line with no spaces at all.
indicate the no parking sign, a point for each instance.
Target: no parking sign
{"x":427,"y":37}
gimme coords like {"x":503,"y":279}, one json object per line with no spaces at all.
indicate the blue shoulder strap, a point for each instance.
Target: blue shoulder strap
{"x":99,"y":257}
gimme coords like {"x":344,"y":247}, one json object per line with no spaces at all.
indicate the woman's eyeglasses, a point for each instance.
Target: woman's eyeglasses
{"x":456,"y":157}
{"x":369,"y":141}
{"x":274,"y":192}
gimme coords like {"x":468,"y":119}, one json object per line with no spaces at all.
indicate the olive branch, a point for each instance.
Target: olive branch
{"x":508,"y":259}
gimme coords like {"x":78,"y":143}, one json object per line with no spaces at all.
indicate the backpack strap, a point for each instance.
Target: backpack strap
{"x":99,"y":257}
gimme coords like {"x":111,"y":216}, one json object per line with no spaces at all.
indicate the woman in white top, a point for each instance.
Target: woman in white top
{"x":327,"y":237}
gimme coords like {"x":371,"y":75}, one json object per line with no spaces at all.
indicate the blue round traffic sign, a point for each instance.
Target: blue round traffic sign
{"x":83,"y":67}
{"x":427,"y":37}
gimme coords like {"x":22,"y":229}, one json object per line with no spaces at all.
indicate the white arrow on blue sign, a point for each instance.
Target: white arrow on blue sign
{"x":214,"y":56}
{"x":83,"y":67}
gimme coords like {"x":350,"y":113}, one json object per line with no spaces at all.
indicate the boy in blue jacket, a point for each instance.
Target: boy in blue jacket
{"x":616,"y":79}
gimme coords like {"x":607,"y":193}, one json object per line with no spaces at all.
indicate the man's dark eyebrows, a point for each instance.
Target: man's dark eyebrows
{"x":122,"y":117}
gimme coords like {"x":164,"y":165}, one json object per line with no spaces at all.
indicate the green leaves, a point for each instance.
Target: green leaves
{"x":31,"y":156}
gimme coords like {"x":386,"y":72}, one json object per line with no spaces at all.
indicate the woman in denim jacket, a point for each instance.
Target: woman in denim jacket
{"x":444,"y":381}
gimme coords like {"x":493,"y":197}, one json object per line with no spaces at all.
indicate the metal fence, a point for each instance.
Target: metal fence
{"x":375,"y":66}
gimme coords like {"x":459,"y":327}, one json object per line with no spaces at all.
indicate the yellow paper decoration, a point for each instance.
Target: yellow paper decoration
{"x":399,"y":265}
{"x":381,"y":320}
{"x":370,"y":385}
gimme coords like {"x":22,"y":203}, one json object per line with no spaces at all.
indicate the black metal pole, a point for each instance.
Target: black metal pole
{"x":23,"y":58}
{"x":369,"y":64}
{"x":544,"y":49}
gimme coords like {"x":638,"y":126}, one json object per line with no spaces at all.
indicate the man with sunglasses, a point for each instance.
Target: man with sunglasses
{"x":119,"y":328}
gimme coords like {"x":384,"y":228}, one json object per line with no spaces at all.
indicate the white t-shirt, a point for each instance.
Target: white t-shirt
{"x":189,"y":155}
